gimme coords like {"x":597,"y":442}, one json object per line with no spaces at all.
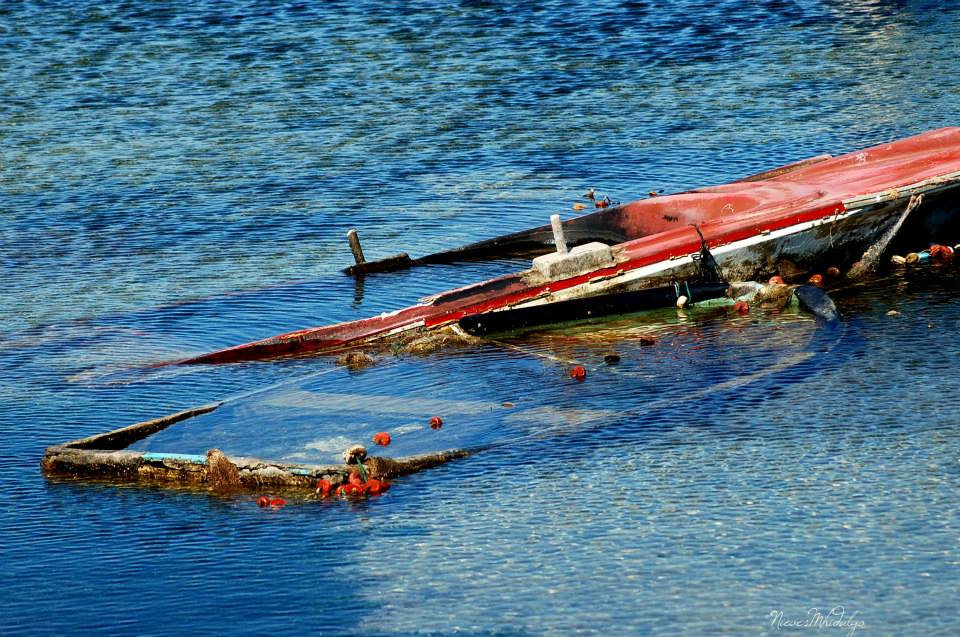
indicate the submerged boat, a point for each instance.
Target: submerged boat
{"x":648,"y":253}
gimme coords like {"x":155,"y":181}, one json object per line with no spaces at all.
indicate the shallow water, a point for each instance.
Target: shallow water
{"x":179,"y":177}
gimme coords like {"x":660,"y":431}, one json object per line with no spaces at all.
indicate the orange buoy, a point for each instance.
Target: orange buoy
{"x":436,"y":422}
{"x":263,"y":501}
{"x":578,"y":373}
{"x":382,"y":438}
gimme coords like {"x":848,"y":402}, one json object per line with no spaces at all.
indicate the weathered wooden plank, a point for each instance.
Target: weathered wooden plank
{"x":192,"y":471}
{"x":126,"y":436}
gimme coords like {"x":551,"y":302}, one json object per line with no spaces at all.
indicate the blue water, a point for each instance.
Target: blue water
{"x":178,"y":177}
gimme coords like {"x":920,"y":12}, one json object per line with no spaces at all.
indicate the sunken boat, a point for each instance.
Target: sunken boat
{"x":620,"y":259}
{"x":645,"y":254}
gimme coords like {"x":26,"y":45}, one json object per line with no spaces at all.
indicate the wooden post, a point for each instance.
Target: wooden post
{"x":354,"y":240}
{"x":558,"y":237}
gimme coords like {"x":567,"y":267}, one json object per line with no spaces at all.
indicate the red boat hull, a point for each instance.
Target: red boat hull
{"x":803,"y":213}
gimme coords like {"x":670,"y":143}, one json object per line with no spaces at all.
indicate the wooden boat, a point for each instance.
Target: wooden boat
{"x":795,"y":218}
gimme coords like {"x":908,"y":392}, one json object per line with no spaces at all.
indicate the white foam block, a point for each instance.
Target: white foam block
{"x":590,"y":256}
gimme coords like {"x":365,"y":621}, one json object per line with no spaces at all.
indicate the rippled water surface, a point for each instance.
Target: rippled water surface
{"x":178,"y":177}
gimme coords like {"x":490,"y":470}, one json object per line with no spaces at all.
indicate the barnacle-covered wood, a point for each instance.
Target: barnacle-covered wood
{"x":221,"y":473}
{"x":424,"y":342}
{"x":355,"y":361}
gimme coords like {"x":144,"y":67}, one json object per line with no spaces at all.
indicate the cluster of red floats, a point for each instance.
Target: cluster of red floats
{"x":941,"y":252}
{"x":357,"y":485}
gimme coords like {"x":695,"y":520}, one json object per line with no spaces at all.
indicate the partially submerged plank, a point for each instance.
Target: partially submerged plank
{"x":126,"y":436}
{"x":106,"y":457}
{"x":191,"y":470}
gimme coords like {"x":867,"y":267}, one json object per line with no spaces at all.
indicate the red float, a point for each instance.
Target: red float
{"x":323,"y":487}
{"x":373,"y":486}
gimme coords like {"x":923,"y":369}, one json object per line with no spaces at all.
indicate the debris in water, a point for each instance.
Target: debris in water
{"x":578,"y":373}
{"x":744,"y":290}
{"x":833,"y":272}
{"x":221,"y":473}
{"x":323,"y":487}
{"x":647,"y":341}
{"x":682,"y":301}
{"x":355,"y":361}
{"x":263,"y":501}
{"x":579,"y":206}
{"x":612,"y":358}
{"x":815,"y":300}
{"x":355,"y":455}
{"x":774,"y":296}
{"x":382,"y":438}
{"x":816,"y":279}
{"x":278,"y":502}
{"x":741,"y":307}
{"x":423,"y":344}
{"x":436,"y":422}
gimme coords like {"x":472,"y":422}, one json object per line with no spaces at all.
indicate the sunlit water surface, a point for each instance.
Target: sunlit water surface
{"x":178,"y":177}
